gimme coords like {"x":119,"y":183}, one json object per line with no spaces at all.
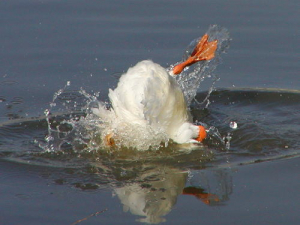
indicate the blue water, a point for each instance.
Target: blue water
{"x":45,"y":44}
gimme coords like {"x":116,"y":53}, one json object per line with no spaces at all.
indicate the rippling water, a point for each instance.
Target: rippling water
{"x":266,"y":123}
{"x":148,"y":183}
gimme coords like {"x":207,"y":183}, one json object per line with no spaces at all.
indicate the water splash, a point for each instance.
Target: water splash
{"x":77,"y":121}
{"x":191,"y":78}
{"x":69,"y":121}
{"x":74,"y":138}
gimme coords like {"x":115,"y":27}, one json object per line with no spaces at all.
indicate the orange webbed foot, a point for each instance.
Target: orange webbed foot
{"x":200,"y":194}
{"x":208,"y":198}
{"x":109,"y":141}
{"x":204,"y":50}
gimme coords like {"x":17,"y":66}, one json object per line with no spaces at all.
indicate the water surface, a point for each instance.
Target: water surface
{"x":247,"y":175}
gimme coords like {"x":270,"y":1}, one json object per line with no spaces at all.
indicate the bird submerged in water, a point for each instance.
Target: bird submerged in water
{"x":148,"y":95}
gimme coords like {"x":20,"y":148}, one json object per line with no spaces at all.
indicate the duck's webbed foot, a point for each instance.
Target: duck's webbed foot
{"x":199,"y":193}
{"x":109,"y":141}
{"x":204,"y":50}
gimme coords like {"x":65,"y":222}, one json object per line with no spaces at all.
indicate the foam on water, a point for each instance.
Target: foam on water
{"x":78,"y":121}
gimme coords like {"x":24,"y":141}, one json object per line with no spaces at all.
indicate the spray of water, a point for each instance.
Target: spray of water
{"x":191,"y":78}
{"x":78,"y":122}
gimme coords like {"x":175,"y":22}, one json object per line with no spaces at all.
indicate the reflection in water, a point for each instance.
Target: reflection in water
{"x":148,"y":191}
{"x":149,"y":183}
{"x":156,"y":191}
{"x":155,"y":196}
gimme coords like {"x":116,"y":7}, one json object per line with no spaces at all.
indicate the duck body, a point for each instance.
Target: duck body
{"x":148,"y":95}
{"x":149,"y":107}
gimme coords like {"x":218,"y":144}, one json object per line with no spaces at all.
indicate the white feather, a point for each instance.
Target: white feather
{"x":147,"y":96}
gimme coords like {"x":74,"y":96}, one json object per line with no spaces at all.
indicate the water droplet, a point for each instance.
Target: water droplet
{"x":49,"y":138}
{"x":228,"y":139}
{"x":46,"y":112}
{"x":233,"y":125}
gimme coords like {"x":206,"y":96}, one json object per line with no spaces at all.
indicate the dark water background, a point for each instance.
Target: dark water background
{"x":45,"y":44}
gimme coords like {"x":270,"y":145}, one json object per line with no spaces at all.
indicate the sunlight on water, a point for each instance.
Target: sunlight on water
{"x":88,"y":132}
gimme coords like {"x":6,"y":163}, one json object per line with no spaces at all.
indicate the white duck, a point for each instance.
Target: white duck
{"x":148,"y":95}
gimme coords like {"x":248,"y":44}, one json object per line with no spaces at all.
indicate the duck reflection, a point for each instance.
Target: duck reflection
{"x":155,"y":195}
{"x":155,"y":192}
